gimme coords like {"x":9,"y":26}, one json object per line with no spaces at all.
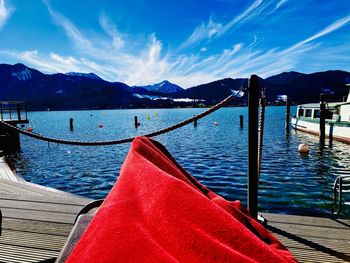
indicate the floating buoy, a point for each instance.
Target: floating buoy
{"x":30,"y":129}
{"x":303,"y":148}
{"x":148,"y":117}
{"x":100,"y":125}
{"x":216,"y":123}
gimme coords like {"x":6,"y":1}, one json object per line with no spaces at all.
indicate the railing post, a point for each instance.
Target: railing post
{"x":322,"y":118}
{"x":253,"y":109}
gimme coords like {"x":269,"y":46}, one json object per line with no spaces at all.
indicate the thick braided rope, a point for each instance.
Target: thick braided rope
{"x":125,"y":140}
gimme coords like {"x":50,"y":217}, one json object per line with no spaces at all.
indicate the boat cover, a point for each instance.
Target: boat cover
{"x":157,"y":212}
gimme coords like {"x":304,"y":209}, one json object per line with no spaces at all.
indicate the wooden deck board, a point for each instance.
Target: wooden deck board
{"x":37,"y":220}
{"x":312,"y":239}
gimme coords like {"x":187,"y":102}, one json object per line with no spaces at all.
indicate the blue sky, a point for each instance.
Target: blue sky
{"x":188,"y":42}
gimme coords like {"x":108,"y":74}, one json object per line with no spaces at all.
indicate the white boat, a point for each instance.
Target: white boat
{"x":337,"y":119}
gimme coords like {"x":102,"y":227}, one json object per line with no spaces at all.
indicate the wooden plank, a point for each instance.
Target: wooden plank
{"x":10,"y":253}
{"x":32,"y":226}
{"x":57,"y":199}
{"x":39,"y":215}
{"x":40,"y":206}
{"x":34,"y":240}
{"x":312,"y":239}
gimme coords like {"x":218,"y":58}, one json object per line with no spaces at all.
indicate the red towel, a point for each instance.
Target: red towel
{"x":157,"y":212}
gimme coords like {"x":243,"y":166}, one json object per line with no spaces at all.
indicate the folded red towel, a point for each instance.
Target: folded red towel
{"x":157,"y":212}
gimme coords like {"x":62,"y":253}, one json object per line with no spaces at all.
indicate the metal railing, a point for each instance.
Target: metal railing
{"x":340,"y":187}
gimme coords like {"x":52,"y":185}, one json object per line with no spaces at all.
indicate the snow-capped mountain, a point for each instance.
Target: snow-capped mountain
{"x":83,"y":75}
{"x":164,"y":87}
{"x":21,"y":72}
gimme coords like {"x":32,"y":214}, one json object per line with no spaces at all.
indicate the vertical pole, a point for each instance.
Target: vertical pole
{"x":253,"y":108}
{"x":2,"y":116}
{"x":19,"y":112}
{"x":136,"y":122}
{"x":287,"y":115}
{"x":241,"y":121}
{"x":25,"y":109}
{"x":195,"y":123}
{"x":322,"y":118}
{"x":71,"y":126}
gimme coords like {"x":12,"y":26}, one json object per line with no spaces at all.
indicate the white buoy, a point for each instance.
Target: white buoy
{"x":216,"y":123}
{"x":303,"y":148}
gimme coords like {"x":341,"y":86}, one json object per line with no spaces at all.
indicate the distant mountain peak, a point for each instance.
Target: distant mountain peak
{"x":284,"y":77}
{"x":84,"y":75}
{"x":164,"y":87}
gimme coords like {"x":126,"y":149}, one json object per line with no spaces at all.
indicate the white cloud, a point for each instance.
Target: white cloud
{"x":329,"y":29}
{"x":72,"y":32}
{"x":5,"y":13}
{"x":112,"y":31}
{"x":148,"y":62}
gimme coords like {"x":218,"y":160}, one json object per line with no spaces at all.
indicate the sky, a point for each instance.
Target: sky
{"x":188,"y":42}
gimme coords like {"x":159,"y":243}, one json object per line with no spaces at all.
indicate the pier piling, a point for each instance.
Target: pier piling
{"x":253,"y":112}
{"x":287,"y":115}
{"x":136,"y":123}
{"x":241,"y":121}
{"x":71,"y":126}
{"x":322,"y":117}
{"x":195,"y":123}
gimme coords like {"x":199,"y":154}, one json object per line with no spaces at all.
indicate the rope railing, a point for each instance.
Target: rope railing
{"x":120,"y":141}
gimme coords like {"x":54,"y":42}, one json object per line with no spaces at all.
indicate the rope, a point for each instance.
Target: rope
{"x":125,"y":140}
{"x":261,"y":128}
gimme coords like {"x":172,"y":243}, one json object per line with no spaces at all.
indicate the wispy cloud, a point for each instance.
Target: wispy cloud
{"x":329,"y":29}
{"x":111,"y":30}
{"x":68,"y":26}
{"x":5,"y":13}
{"x":149,"y":61}
{"x":278,"y":5}
{"x":258,"y":10}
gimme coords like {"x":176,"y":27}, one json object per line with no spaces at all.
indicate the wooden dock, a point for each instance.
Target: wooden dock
{"x":37,"y":221}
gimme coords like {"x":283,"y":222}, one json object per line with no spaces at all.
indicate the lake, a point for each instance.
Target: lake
{"x":216,"y":155}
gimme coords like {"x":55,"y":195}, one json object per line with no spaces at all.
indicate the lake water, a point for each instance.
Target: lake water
{"x":215,"y":155}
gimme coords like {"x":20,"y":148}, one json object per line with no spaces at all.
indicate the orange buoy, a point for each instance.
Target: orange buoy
{"x":30,"y":129}
{"x":100,"y":125}
{"x":303,"y":148}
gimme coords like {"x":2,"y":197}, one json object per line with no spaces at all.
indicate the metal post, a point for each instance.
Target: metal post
{"x":2,"y":116}
{"x":287,"y":115}
{"x":241,"y":121}
{"x":253,"y":109}
{"x":19,"y":112}
{"x":322,"y":117}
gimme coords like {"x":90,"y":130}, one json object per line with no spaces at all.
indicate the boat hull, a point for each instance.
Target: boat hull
{"x":337,"y":132}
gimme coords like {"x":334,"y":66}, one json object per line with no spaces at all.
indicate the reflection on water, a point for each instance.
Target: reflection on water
{"x":216,"y":155}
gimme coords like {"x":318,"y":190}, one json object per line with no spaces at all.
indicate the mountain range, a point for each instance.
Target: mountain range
{"x":76,"y":90}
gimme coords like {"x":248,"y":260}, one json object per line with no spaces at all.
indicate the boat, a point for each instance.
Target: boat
{"x":337,"y":125}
